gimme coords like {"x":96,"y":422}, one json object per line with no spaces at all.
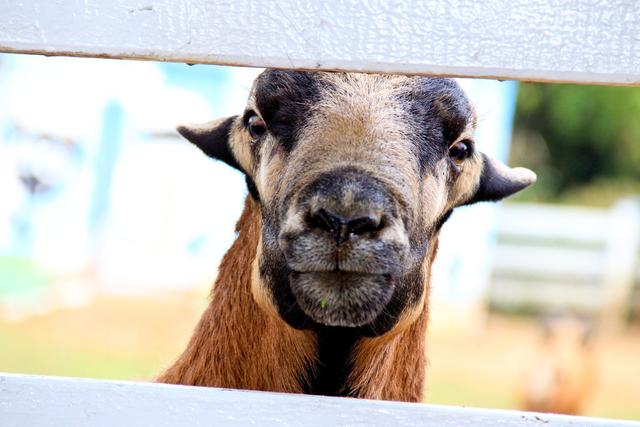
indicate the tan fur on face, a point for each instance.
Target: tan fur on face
{"x":269,"y":173}
{"x":356,"y":121}
{"x":467,"y":181}
{"x":240,"y":144}
{"x":470,"y":170}
{"x":260,"y":293}
{"x":348,"y":124}
{"x":435,"y":193}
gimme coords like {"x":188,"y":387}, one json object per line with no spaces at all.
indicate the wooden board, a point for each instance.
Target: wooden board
{"x":588,"y":41}
{"x":47,"y":401}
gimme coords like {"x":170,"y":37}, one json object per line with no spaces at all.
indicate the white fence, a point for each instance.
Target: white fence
{"x":577,"y":41}
{"x":587,"y":41}
{"x":47,"y":401}
{"x":555,"y":257}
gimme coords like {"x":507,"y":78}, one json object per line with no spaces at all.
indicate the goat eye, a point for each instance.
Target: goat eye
{"x":460,"y":151}
{"x":256,"y":126}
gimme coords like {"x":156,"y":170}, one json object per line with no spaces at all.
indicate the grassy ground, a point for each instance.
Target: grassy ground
{"x":485,"y":370}
{"x":21,"y":276}
{"x":135,"y":339}
{"x":111,"y":338}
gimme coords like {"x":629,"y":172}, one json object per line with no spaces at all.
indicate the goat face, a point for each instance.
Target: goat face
{"x":354,"y":174}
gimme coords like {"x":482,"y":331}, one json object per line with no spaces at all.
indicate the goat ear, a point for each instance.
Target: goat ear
{"x":213,"y":138}
{"x":498,"y":180}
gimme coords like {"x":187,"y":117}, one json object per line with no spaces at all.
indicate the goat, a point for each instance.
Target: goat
{"x":350,"y":177}
{"x":562,"y":373}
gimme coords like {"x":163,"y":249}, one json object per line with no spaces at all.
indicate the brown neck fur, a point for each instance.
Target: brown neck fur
{"x":393,"y":366}
{"x":236,"y":344}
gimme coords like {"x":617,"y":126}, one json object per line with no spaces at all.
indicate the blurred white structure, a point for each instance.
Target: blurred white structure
{"x":555,"y":258}
{"x":136,"y":204}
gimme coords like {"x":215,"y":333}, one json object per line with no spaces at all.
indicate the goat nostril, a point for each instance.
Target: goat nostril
{"x":364,"y":224}
{"x":342,"y":228}
{"x":325,"y":220}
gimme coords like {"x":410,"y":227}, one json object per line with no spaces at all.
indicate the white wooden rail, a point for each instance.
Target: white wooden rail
{"x":589,"y":41}
{"x":594,"y":41}
{"x":49,"y":401}
{"x":557,"y":257}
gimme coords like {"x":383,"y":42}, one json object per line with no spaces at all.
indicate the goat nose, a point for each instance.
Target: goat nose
{"x":343,"y":228}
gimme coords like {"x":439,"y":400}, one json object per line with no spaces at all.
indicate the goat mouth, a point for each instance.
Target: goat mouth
{"x":341,"y":298}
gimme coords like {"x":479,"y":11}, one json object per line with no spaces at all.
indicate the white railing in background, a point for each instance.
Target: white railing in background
{"x":557,"y":258}
{"x":590,"y":41}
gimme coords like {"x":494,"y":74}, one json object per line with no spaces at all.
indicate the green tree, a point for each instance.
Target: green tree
{"x":583,"y":141}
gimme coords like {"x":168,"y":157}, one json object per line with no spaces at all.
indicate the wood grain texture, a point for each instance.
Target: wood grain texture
{"x":587,"y":41}
{"x":50,"y":401}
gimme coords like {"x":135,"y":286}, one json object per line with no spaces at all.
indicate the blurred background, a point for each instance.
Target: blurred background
{"x":111,"y":229}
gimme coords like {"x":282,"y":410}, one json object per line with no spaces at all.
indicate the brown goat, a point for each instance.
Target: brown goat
{"x":561,"y":375}
{"x":351,"y":176}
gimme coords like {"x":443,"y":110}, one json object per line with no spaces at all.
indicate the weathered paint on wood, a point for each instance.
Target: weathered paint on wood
{"x":592,"y":41}
{"x":47,"y":401}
